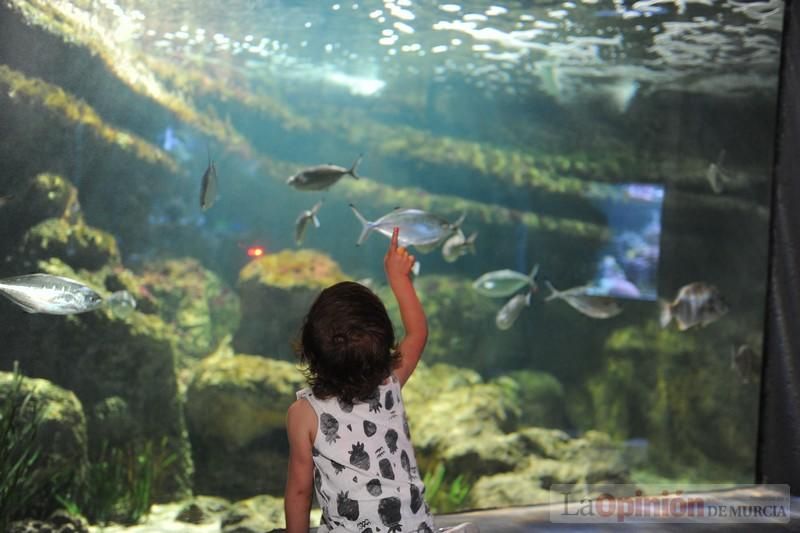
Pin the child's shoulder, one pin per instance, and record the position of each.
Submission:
(301, 415)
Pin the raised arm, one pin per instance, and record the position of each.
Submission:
(398, 264)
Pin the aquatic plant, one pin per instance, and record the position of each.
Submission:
(19, 420)
(443, 495)
(121, 482)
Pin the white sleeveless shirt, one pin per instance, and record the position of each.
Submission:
(365, 473)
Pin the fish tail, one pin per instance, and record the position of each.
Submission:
(532, 276)
(665, 317)
(470, 244)
(457, 223)
(553, 292)
(366, 225)
(353, 168)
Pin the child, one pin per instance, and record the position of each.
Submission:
(348, 434)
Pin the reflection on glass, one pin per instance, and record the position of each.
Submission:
(604, 165)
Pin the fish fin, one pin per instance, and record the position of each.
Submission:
(315, 220)
(457, 224)
(532, 276)
(426, 248)
(528, 298)
(353, 168)
(665, 315)
(553, 292)
(366, 225)
(25, 307)
(415, 268)
(469, 244)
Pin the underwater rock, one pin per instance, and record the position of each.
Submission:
(663, 386)
(276, 291)
(37, 199)
(236, 412)
(254, 515)
(236, 399)
(540, 396)
(60, 435)
(111, 421)
(202, 309)
(59, 522)
(78, 245)
(203, 510)
(477, 430)
(461, 324)
(591, 461)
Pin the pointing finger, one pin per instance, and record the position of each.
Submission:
(395, 233)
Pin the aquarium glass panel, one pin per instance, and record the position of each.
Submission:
(584, 186)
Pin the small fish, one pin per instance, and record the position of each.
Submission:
(509, 313)
(696, 303)
(52, 295)
(715, 175)
(121, 303)
(458, 245)
(418, 228)
(745, 362)
(321, 177)
(301, 224)
(208, 189)
(502, 283)
(589, 305)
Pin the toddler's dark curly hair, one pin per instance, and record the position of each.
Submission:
(347, 343)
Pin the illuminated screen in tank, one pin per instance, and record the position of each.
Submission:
(627, 267)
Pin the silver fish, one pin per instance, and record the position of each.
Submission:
(458, 245)
(745, 362)
(590, 305)
(321, 177)
(418, 228)
(301, 224)
(696, 303)
(716, 176)
(121, 303)
(208, 189)
(509, 313)
(502, 283)
(53, 295)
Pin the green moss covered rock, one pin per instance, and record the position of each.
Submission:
(276, 291)
(60, 438)
(680, 392)
(236, 408)
(78, 245)
(200, 307)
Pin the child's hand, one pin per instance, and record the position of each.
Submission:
(398, 262)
